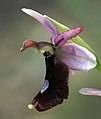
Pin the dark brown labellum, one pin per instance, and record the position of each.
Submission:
(57, 75)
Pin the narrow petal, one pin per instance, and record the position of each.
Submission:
(77, 57)
(43, 20)
(90, 91)
(63, 37)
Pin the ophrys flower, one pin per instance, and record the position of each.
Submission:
(60, 57)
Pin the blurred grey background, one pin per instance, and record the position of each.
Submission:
(22, 74)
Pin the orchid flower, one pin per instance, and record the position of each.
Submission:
(62, 54)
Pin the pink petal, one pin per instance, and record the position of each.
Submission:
(63, 37)
(90, 91)
(44, 21)
(77, 57)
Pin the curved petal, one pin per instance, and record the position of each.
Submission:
(90, 91)
(63, 37)
(77, 57)
(43, 20)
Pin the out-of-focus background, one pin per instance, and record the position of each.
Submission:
(22, 74)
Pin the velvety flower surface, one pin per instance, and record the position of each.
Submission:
(76, 57)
